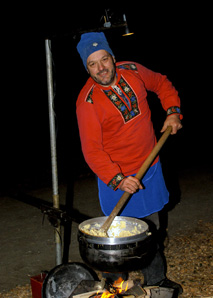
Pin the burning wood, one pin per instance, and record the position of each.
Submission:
(124, 289)
(120, 286)
(106, 290)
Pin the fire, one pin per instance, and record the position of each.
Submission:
(107, 295)
(119, 286)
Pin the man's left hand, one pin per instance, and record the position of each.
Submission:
(174, 122)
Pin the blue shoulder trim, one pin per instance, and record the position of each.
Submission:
(128, 66)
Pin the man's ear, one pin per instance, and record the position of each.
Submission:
(114, 60)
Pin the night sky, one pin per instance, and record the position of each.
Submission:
(170, 39)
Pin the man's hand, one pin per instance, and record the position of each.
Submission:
(130, 184)
(174, 122)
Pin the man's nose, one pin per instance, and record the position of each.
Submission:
(100, 66)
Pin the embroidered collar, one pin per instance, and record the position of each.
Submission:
(127, 103)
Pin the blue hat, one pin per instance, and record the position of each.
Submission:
(90, 43)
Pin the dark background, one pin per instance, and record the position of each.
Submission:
(173, 39)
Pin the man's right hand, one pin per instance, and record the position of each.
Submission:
(130, 184)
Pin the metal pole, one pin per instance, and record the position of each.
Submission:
(53, 148)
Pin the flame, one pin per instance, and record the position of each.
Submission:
(118, 281)
(107, 294)
(117, 288)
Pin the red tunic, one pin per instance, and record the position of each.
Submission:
(115, 126)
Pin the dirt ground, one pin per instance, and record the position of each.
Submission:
(27, 237)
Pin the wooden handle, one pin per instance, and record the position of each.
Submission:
(139, 175)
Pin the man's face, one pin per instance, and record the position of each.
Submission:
(101, 67)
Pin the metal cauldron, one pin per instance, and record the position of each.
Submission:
(117, 254)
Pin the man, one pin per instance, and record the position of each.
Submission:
(117, 134)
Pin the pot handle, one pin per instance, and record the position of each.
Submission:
(133, 257)
(81, 239)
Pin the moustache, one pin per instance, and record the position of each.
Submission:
(102, 71)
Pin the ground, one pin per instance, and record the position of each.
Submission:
(27, 237)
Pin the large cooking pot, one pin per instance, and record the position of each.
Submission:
(117, 254)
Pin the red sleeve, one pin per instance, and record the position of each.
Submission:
(91, 142)
(159, 84)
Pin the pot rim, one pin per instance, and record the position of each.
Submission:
(114, 240)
